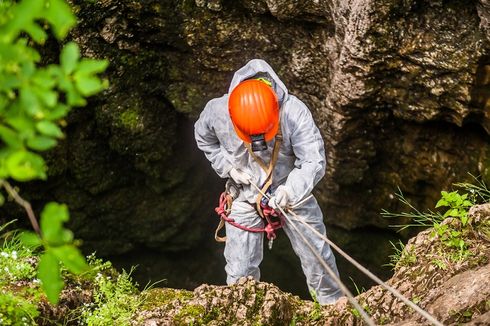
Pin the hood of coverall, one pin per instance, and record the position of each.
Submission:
(253, 67)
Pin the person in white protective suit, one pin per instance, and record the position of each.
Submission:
(238, 130)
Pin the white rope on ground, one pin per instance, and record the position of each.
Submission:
(395, 292)
(341, 285)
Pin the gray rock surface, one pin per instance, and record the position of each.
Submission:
(400, 90)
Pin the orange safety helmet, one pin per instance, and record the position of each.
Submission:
(254, 111)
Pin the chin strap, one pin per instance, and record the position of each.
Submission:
(268, 169)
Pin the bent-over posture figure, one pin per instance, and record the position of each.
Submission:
(237, 133)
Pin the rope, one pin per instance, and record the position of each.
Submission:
(395, 292)
(341, 285)
(343, 288)
(269, 229)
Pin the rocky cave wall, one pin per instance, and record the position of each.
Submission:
(399, 88)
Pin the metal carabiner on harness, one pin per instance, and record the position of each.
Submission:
(271, 242)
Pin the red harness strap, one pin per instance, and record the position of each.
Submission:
(269, 215)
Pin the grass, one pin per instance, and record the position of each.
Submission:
(401, 256)
(113, 298)
(452, 233)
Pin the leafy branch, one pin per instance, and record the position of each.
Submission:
(34, 100)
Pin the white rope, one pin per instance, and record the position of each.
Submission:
(395, 292)
(341, 285)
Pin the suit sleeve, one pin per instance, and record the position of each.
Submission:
(208, 142)
(308, 148)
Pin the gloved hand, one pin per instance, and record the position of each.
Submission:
(240, 177)
(280, 198)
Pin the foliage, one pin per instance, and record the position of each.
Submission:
(450, 232)
(479, 192)
(417, 218)
(401, 256)
(115, 301)
(16, 310)
(114, 297)
(58, 244)
(14, 260)
(34, 100)
(458, 205)
(16, 264)
(316, 312)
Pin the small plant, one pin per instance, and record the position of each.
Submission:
(417, 218)
(115, 300)
(15, 310)
(458, 205)
(401, 256)
(14, 259)
(316, 313)
(479, 192)
(358, 290)
(439, 263)
(451, 233)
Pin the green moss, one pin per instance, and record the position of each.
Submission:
(185, 97)
(130, 119)
(158, 297)
(191, 313)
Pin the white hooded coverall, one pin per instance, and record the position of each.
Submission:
(299, 167)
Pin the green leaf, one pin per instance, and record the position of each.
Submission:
(2, 199)
(91, 66)
(25, 166)
(22, 15)
(441, 202)
(21, 124)
(59, 14)
(41, 143)
(71, 257)
(467, 203)
(69, 57)
(10, 137)
(464, 219)
(52, 218)
(73, 97)
(455, 233)
(49, 128)
(48, 272)
(30, 239)
(29, 102)
(58, 112)
(88, 85)
(47, 96)
(36, 32)
(45, 78)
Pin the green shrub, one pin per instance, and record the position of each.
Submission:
(115, 301)
(34, 100)
(14, 262)
(16, 310)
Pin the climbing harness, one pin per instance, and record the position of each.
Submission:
(273, 219)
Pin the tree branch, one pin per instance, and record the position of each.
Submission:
(22, 202)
